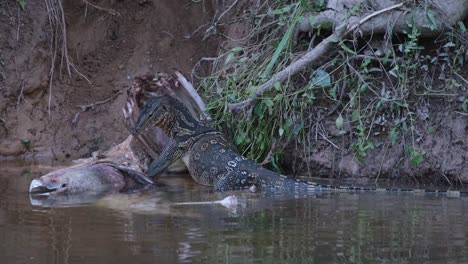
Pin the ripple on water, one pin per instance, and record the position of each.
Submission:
(322, 228)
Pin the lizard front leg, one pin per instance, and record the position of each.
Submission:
(169, 155)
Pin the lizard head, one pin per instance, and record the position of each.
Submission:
(156, 111)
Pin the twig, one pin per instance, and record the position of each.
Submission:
(373, 15)
(87, 107)
(18, 29)
(333, 144)
(461, 77)
(215, 21)
(460, 113)
(193, 73)
(360, 56)
(319, 51)
(226, 11)
(381, 164)
(64, 36)
(446, 178)
(20, 96)
(4, 125)
(53, 50)
(266, 160)
(108, 10)
(168, 33)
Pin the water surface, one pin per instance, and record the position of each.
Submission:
(146, 228)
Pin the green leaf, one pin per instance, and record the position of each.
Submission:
(239, 139)
(352, 99)
(26, 143)
(278, 98)
(326, 25)
(268, 102)
(449, 45)
(393, 135)
(379, 104)
(281, 46)
(415, 156)
(431, 17)
(22, 3)
(355, 116)
(334, 39)
(298, 127)
(277, 86)
(345, 48)
(333, 91)
(369, 145)
(258, 110)
(321, 78)
(281, 131)
(311, 20)
(237, 49)
(230, 57)
(283, 10)
(363, 87)
(462, 26)
(339, 122)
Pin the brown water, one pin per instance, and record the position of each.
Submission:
(146, 228)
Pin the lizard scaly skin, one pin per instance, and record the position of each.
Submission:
(212, 161)
(209, 156)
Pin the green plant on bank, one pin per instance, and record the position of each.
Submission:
(277, 117)
(380, 97)
(362, 145)
(22, 3)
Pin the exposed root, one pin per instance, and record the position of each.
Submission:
(58, 44)
(20, 96)
(112, 12)
(213, 26)
(87, 107)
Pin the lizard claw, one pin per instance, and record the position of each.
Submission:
(128, 109)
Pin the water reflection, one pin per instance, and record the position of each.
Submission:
(324, 228)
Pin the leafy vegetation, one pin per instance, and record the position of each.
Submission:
(374, 91)
(22, 3)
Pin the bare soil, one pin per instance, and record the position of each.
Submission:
(441, 134)
(146, 36)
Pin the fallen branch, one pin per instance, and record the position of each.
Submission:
(310, 57)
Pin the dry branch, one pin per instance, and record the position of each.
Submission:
(310, 57)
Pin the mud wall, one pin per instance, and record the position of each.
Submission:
(108, 48)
